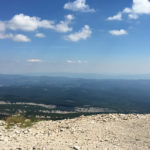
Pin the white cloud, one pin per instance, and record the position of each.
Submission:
(70, 61)
(39, 35)
(20, 38)
(139, 7)
(2, 26)
(133, 16)
(78, 5)
(81, 35)
(6, 36)
(116, 17)
(16, 38)
(27, 23)
(76, 61)
(63, 26)
(118, 32)
(34, 60)
(69, 17)
(127, 10)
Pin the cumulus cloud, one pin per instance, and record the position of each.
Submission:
(78, 5)
(116, 17)
(34, 60)
(69, 17)
(27, 23)
(39, 35)
(63, 26)
(76, 61)
(81, 35)
(2, 26)
(6, 36)
(127, 10)
(20, 38)
(139, 7)
(118, 32)
(16, 38)
(133, 16)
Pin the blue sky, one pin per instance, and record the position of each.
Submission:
(84, 36)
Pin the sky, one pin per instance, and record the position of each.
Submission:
(77, 36)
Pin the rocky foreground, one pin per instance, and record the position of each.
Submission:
(99, 132)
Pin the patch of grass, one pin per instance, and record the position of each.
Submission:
(20, 121)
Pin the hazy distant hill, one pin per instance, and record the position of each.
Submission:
(121, 95)
(94, 75)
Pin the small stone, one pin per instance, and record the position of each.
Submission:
(17, 132)
(61, 129)
(25, 132)
(76, 148)
(1, 139)
(33, 148)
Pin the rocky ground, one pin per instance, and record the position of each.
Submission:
(99, 132)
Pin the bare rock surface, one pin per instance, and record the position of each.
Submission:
(98, 132)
